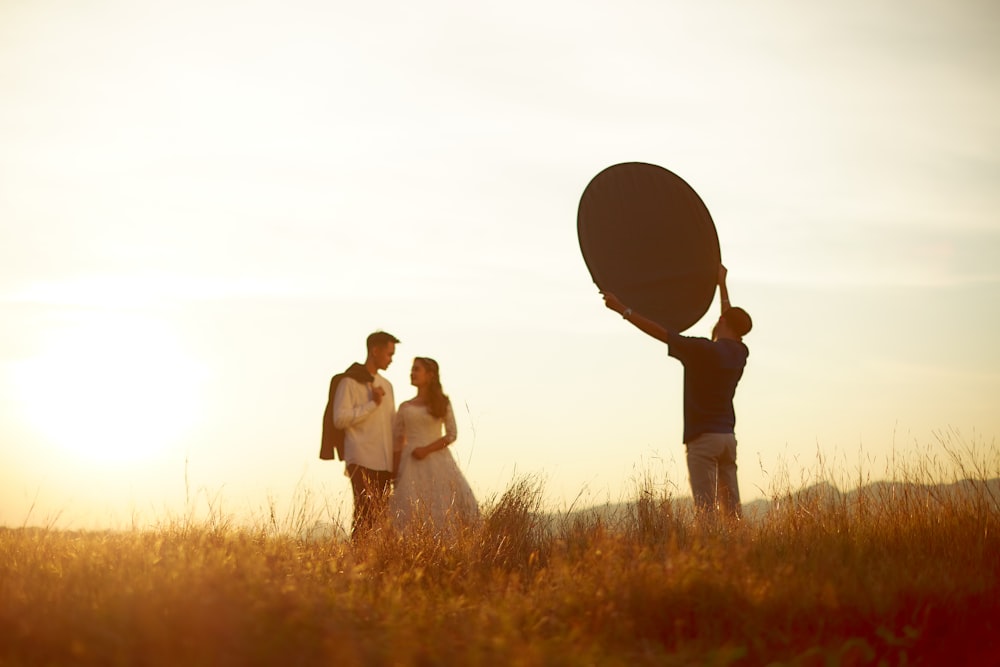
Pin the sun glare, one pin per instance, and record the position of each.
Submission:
(110, 389)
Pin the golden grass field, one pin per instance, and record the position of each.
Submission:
(901, 573)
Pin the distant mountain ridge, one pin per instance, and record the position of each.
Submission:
(987, 491)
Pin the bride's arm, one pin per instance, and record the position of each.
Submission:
(398, 440)
(450, 428)
(450, 435)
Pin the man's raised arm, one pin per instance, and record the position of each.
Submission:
(644, 324)
(723, 290)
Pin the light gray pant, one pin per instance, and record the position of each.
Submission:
(711, 459)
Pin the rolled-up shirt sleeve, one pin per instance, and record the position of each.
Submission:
(450, 428)
(351, 404)
(687, 348)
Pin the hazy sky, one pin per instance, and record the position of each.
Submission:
(206, 206)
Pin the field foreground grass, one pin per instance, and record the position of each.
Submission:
(899, 575)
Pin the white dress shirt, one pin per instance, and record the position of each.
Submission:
(367, 426)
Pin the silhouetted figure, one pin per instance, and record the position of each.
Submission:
(365, 411)
(712, 369)
(431, 491)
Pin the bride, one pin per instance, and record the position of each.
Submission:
(430, 489)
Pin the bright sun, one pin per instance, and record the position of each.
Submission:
(109, 388)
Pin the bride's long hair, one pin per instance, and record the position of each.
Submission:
(437, 400)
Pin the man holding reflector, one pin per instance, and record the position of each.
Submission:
(652, 249)
(712, 369)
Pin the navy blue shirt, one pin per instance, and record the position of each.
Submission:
(712, 369)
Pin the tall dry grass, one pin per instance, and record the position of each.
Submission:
(900, 572)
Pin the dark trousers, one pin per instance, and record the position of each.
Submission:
(371, 494)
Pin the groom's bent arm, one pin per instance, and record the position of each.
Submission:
(351, 404)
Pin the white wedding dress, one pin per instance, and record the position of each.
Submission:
(431, 492)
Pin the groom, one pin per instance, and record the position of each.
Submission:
(365, 411)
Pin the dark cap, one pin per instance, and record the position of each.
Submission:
(738, 320)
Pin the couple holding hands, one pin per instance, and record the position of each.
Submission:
(398, 459)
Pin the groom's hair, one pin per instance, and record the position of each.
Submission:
(380, 339)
